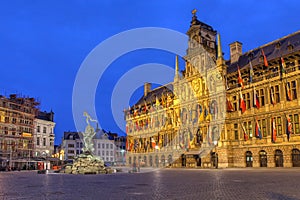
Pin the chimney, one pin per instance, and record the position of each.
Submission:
(235, 51)
(147, 88)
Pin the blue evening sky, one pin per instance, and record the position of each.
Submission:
(43, 43)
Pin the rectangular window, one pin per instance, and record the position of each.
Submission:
(250, 130)
(111, 153)
(102, 145)
(98, 145)
(77, 152)
(44, 141)
(247, 100)
(111, 146)
(277, 95)
(234, 103)
(295, 123)
(102, 153)
(107, 153)
(107, 146)
(37, 141)
(70, 145)
(294, 89)
(71, 151)
(261, 96)
(279, 126)
(264, 128)
(44, 129)
(236, 133)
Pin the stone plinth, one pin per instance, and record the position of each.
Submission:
(86, 163)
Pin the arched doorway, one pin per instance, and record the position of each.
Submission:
(150, 161)
(278, 158)
(214, 159)
(249, 159)
(145, 160)
(183, 160)
(156, 161)
(296, 157)
(170, 160)
(263, 158)
(198, 160)
(163, 160)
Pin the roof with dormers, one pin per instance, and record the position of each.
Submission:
(273, 50)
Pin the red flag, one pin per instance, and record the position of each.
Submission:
(265, 58)
(245, 132)
(289, 127)
(273, 130)
(256, 100)
(229, 105)
(242, 103)
(288, 92)
(257, 130)
(272, 97)
(240, 79)
(153, 143)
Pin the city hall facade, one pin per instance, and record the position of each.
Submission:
(241, 112)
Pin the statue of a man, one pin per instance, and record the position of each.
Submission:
(88, 134)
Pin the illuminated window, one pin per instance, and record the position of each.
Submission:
(279, 126)
(294, 89)
(261, 96)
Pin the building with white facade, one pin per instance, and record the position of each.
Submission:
(43, 137)
(108, 146)
(71, 145)
(105, 147)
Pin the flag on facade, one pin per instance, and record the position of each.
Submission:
(289, 127)
(274, 133)
(245, 132)
(283, 67)
(257, 130)
(272, 96)
(240, 79)
(255, 99)
(153, 143)
(288, 92)
(242, 103)
(251, 72)
(229, 105)
(265, 58)
(127, 145)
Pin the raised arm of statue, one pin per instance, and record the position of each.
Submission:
(88, 118)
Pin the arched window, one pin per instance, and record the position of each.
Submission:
(150, 161)
(278, 158)
(249, 159)
(296, 157)
(163, 160)
(170, 160)
(263, 158)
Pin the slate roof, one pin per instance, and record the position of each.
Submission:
(272, 50)
(157, 92)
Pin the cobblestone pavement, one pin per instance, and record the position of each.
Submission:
(160, 184)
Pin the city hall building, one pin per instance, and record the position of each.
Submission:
(241, 112)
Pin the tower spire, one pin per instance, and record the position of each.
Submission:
(220, 53)
(176, 66)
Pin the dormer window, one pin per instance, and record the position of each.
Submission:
(251, 55)
(278, 45)
(290, 47)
